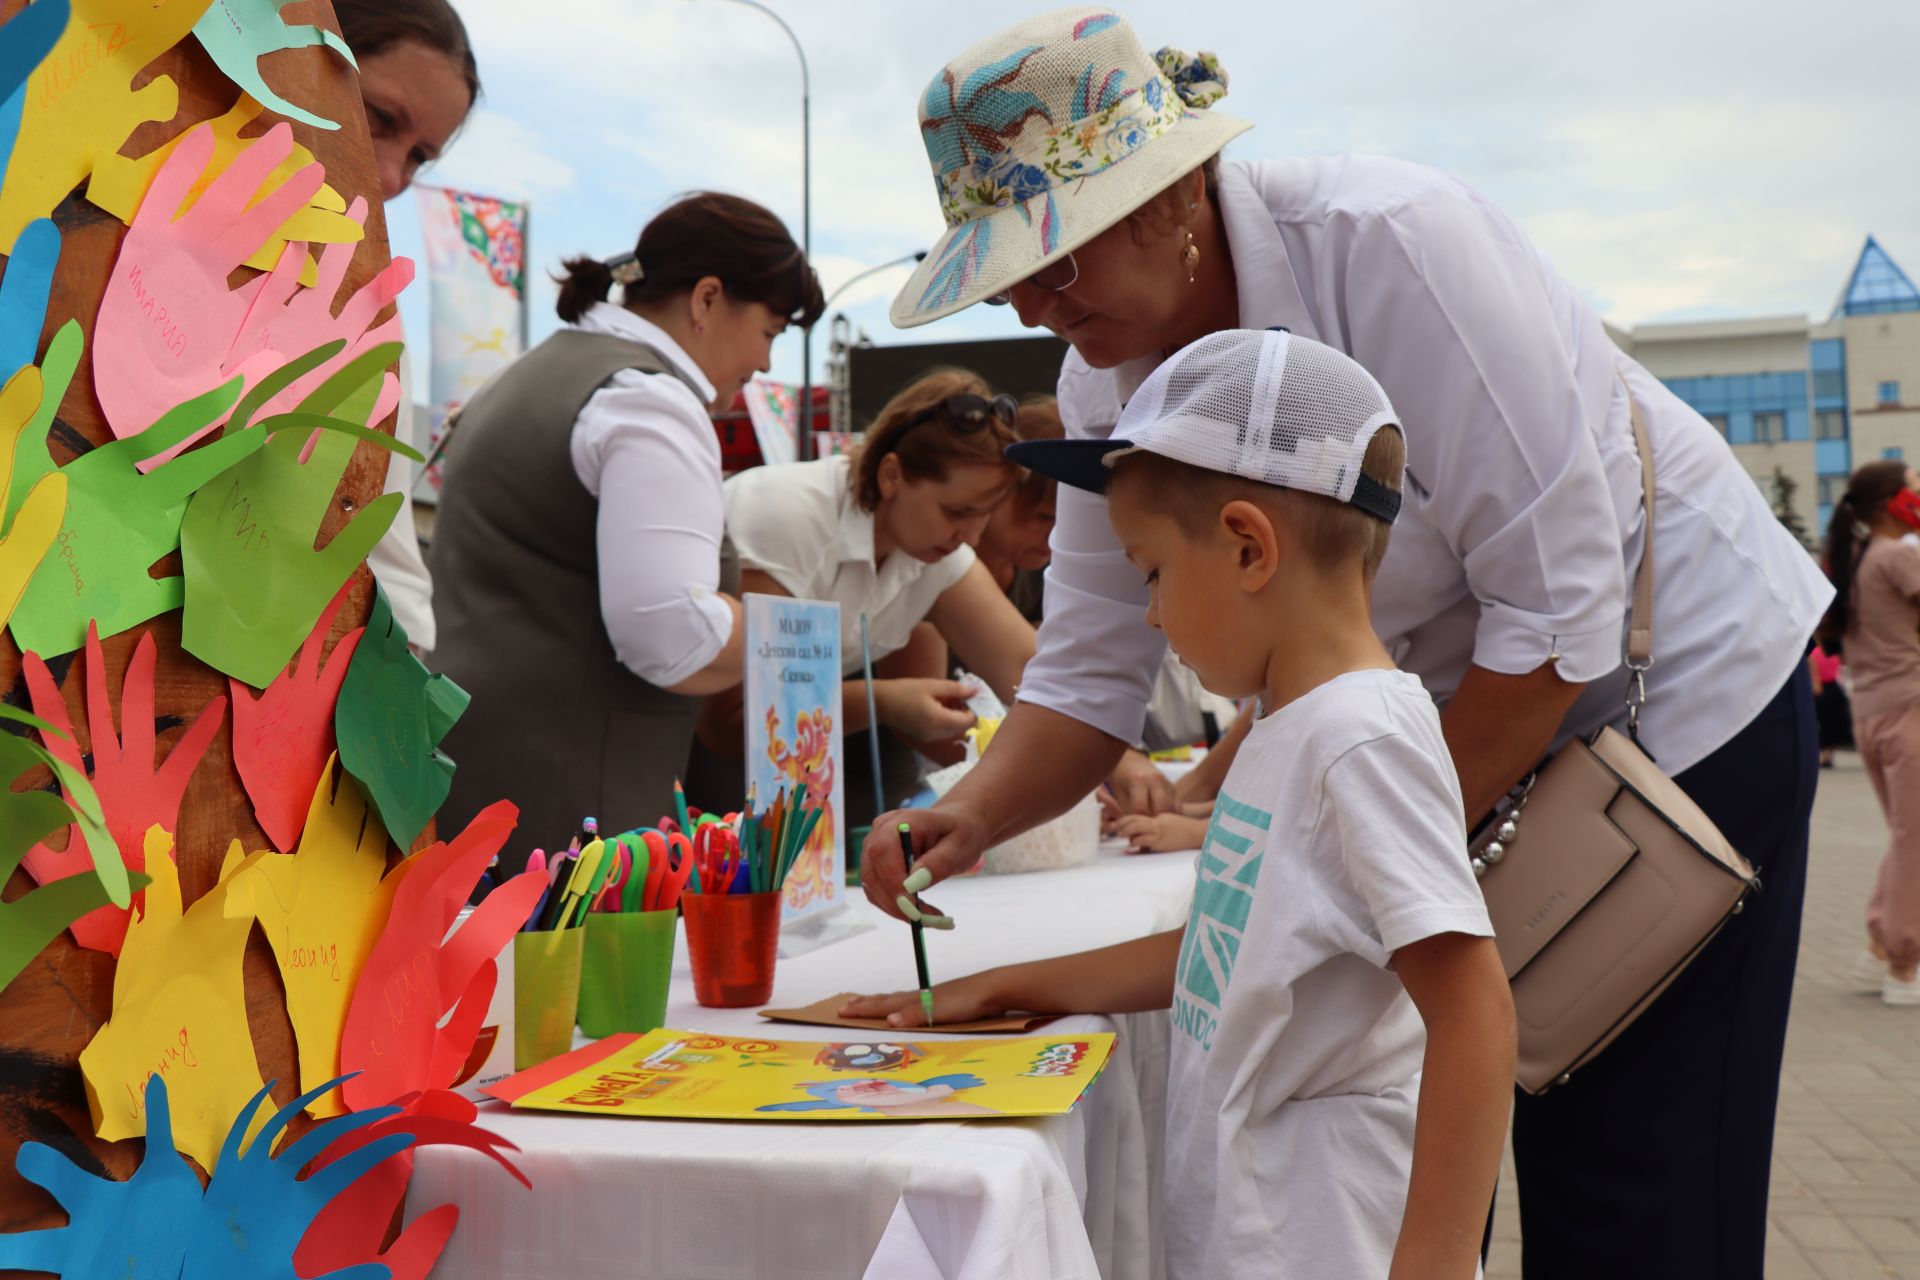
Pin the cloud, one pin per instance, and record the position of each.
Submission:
(504, 156)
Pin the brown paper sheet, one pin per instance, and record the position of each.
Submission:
(824, 1013)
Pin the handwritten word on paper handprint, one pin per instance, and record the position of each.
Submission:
(80, 103)
(120, 184)
(424, 991)
(321, 909)
(283, 738)
(134, 796)
(393, 714)
(160, 1225)
(180, 1011)
(238, 33)
(255, 584)
(32, 529)
(25, 40)
(167, 319)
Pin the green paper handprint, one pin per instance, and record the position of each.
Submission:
(238, 33)
(254, 583)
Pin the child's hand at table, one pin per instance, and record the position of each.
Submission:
(1161, 833)
(962, 1000)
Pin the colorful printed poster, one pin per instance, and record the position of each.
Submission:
(793, 734)
(688, 1075)
(476, 276)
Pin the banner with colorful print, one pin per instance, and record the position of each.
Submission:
(476, 275)
(794, 734)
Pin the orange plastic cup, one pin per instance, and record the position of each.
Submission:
(732, 941)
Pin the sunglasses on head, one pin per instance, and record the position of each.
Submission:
(1055, 276)
(968, 412)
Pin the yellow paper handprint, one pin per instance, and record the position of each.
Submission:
(322, 908)
(120, 184)
(179, 1010)
(37, 523)
(80, 103)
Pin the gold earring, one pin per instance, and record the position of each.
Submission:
(1191, 256)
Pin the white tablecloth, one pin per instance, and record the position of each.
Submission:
(1047, 1199)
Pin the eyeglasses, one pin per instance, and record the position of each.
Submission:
(968, 412)
(1059, 274)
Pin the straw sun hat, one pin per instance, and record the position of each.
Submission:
(1045, 135)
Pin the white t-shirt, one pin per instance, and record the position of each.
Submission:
(1336, 840)
(798, 524)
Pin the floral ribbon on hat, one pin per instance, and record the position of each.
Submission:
(1199, 78)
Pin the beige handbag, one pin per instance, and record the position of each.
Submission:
(1602, 877)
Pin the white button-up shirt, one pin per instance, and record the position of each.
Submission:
(1523, 517)
(798, 523)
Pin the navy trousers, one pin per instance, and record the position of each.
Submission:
(1652, 1161)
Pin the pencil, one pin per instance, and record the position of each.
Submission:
(680, 808)
(919, 932)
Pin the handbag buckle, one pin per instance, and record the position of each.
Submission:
(1636, 696)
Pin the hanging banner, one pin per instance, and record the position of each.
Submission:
(476, 276)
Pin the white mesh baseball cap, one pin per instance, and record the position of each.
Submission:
(1263, 405)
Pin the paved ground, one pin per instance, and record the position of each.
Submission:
(1846, 1159)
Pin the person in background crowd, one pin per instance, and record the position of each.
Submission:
(1109, 219)
(582, 597)
(1830, 703)
(1876, 617)
(418, 82)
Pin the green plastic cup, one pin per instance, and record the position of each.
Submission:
(546, 994)
(624, 975)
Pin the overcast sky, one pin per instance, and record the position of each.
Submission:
(1678, 159)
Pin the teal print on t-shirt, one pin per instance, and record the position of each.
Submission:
(1222, 898)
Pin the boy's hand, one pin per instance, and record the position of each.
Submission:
(946, 841)
(963, 1000)
(1160, 833)
(1138, 786)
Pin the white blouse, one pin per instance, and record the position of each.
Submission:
(1523, 515)
(645, 446)
(798, 524)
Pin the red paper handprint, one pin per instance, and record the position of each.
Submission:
(134, 795)
(423, 994)
(283, 740)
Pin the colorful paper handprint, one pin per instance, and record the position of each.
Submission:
(393, 715)
(80, 103)
(321, 909)
(283, 737)
(135, 797)
(120, 184)
(238, 33)
(32, 528)
(25, 40)
(255, 584)
(19, 810)
(167, 319)
(24, 291)
(179, 1011)
(425, 988)
(159, 1224)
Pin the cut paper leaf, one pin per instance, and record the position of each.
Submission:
(119, 185)
(31, 922)
(255, 585)
(393, 714)
(238, 33)
(425, 989)
(80, 103)
(350, 1229)
(283, 739)
(167, 319)
(32, 529)
(160, 1225)
(321, 909)
(24, 291)
(25, 41)
(135, 797)
(179, 1011)
(118, 522)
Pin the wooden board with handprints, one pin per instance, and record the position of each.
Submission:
(52, 1009)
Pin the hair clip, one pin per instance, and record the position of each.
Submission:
(626, 269)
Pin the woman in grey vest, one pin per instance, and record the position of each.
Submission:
(577, 555)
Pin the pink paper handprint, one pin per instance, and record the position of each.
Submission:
(134, 795)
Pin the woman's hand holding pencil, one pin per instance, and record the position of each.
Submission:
(947, 841)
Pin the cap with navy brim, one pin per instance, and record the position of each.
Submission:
(1082, 464)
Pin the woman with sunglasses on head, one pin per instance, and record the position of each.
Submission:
(1081, 183)
(890, 532)
(577, 555)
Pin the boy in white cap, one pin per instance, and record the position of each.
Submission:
(1315, 1127)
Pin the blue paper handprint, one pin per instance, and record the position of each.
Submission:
(24, 291)
(24, 42)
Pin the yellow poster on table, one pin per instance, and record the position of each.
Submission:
(689, 1075)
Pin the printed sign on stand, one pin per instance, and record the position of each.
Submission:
(794, 734)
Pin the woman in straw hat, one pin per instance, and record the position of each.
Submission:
(1081, 184)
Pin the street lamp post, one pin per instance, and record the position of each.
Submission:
(839, 393)
(917, 256)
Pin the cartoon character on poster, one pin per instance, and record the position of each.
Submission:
(794, 734)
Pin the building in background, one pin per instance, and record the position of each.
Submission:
(1804, 401)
